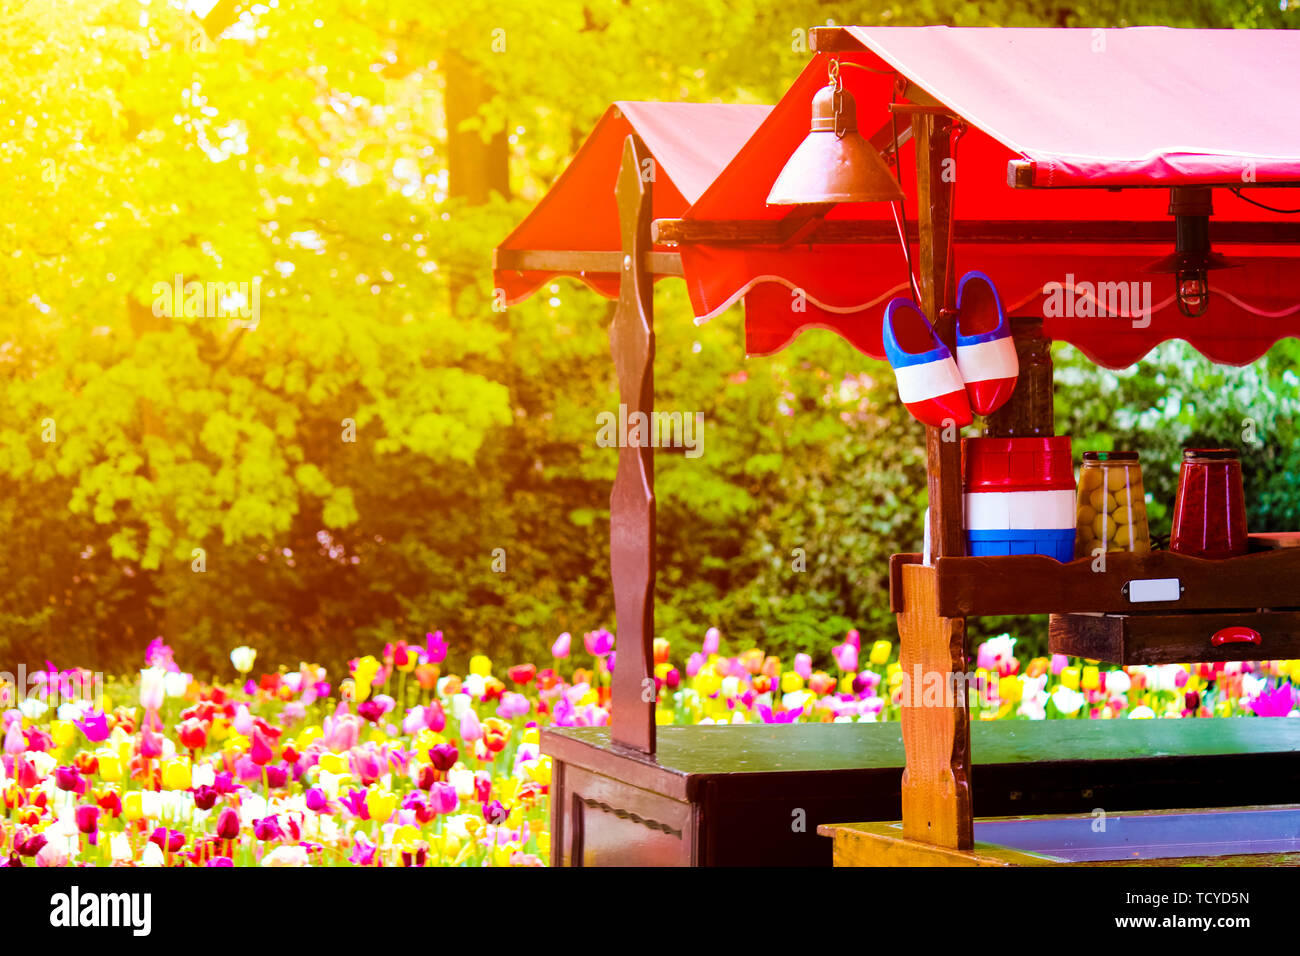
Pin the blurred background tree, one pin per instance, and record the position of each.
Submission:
(343, 472)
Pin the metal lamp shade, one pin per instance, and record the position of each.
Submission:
(830, 168)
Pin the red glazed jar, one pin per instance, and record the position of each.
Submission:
(1210, 513)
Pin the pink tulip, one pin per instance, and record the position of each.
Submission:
(470, 729)
(1059, 663)
(694, 663)
(803, 665)
(846, 656)
(15, 742)
(853, 638)
(442, 797)
(712, 637)
(434, 718)
(562, 644)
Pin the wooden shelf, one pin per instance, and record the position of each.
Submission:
(1033, 584)
(1174, 638)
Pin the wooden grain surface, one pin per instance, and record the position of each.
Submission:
(936, 790)
(632, 500)
(1033, 584)
(1173, 638)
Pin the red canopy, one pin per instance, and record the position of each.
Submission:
(689, 142)
(1151, 107)
(1155, 105)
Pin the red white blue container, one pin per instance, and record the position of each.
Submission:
(1019, 496)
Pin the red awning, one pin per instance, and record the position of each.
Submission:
(1150, 106)
(690, 144)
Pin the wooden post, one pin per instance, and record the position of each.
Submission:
(632, 500)
(936, 732)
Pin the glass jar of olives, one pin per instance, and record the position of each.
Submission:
(1112, 508)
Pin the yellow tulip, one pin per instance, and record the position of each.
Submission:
(308, 735)
(381, 805)
(334, 763)
(406, 837)
(540, 771)
(663, 718)
(880, 652)
(132, 807)
(221, 728)
(377, 736)
(531, 736)
(791, 682)
(661, 671)
(893, 669)
(515, 819)
(1010, 689)
(501, 854)
(176, 774)
(1091, 679)
(1070, 677)
(478, 664)
(363, 676)
(544, 843)
(110, 766)
(846, 682)
(64, 733)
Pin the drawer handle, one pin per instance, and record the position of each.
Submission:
(1235, 635)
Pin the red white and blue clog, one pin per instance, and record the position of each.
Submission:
(986, 353)
(928, 380)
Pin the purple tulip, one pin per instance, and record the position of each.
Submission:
(276, 775)
(228, 824)
(599, 642)
(436, 647)
(268, 828)
(95, 727)
(67, 778)
(220, 861)
(205, 797)
(444, 756)
(316, 800)
(562, 644)
(494, 812)
(1274, 703)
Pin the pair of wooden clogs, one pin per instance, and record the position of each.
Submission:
(936, 388)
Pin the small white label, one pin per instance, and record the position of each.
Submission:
(1154, 589)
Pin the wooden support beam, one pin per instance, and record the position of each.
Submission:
(848, 232)
(932, 649)
(632, 499)
(656, 264)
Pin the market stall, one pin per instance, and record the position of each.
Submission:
(1094, 180)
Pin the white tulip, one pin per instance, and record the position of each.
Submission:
(243, 657)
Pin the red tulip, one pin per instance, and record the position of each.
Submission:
(193, 734)
(522, 673)
(228, 824)
(261, 751)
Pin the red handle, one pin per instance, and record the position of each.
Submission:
(1235, 635)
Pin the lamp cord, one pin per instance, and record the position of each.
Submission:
(1236, 191)
(899, 209)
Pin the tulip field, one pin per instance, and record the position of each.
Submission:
(402, 763)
